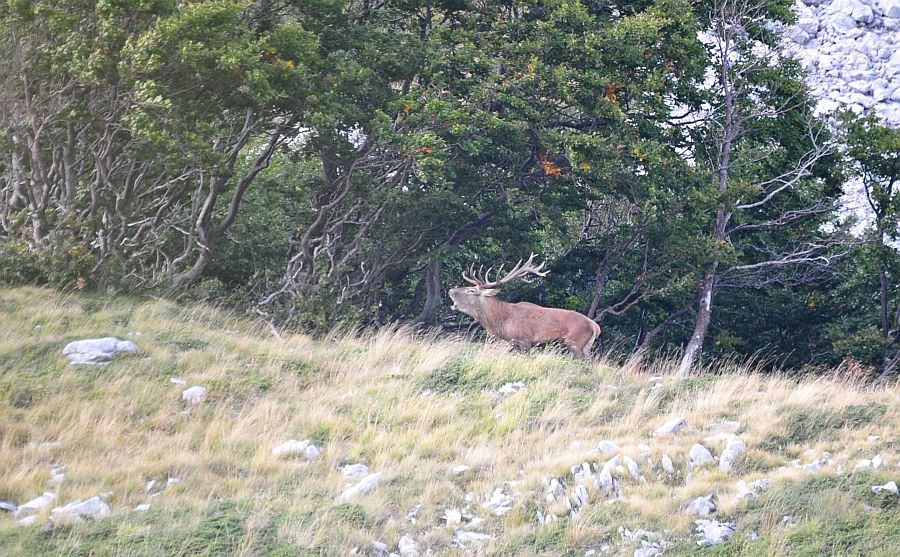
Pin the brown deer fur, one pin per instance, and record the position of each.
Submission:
(525, 324)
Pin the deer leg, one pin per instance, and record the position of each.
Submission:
(573, 348)
(521, 346)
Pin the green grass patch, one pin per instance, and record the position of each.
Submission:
(811, 424)
(460, 375)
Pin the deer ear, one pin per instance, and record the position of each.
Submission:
(490, 292)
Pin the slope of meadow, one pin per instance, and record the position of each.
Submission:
(413, 409)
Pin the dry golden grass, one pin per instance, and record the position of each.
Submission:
(410, 407)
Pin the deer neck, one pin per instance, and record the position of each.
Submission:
(493, 313)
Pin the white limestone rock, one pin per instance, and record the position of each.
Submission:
(750, 489)
(510, 388)
(452, 517)
(700, 455)
(365, 486)
(408, 546)
(712, 532)
(702, 506)
(607, 447)
(667, 464)
(499, 503)
(891, 8)
(94, 507)
(194, 395)
(35, 505)
(354, 471)
(97, 350)
(464, 537)
(734, 449)
(632, 468)
(891, 486)
(670, 427)
(292, 448)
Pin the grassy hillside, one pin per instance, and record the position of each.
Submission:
(412, 409)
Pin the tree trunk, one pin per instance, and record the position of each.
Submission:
(701, 326)
(601, 279)
(428, 314)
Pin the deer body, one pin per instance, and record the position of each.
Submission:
(524, 324)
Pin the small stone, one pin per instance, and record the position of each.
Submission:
(632, 467)
(292, 447)
(413, 515)
(380, 548)
(607, 447)
(93, 507)
(670, 427)
(733, 450)
(452, 516)
(142, 507)
(890, 486)
(35, 505)
(712, 532)
(407, 546)
(667, 464)
(644, 448)
(354, 471)
(510, 388)
(177, 380)
(7, 506)
(462, 468)
(702, 506)
(750, 489)
(172, 481)
(648, 549)
(499, 503)
(194, 395)
(700, 455)
(365, 486)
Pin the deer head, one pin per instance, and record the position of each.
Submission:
(470, 300)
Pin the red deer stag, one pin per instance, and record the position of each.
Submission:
(522, 324)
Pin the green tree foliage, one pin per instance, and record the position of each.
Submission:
(335, 161)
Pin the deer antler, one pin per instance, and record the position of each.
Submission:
(520, 271)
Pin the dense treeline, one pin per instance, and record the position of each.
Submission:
(333, 160)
